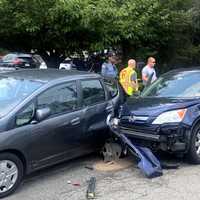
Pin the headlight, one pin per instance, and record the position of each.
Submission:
(170, 117)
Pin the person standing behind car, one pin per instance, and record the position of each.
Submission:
(109, 69)
(128, 78)
(148, 72)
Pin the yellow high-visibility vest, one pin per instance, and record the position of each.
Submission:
(125, 80)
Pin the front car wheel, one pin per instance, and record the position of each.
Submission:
(194, 149)
(11, 173)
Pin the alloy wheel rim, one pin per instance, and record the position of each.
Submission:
(8, 175)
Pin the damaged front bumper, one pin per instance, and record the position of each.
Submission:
(171, 137)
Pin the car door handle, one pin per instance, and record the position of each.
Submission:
(75, 121)
(109, 108)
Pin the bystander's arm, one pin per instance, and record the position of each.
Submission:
(134, 81)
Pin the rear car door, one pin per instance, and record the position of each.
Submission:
(59, 136)
(96, 108)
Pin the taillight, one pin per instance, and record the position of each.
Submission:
(17, 61)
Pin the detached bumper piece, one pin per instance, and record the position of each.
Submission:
(148, 163)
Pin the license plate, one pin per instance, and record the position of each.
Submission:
(27, 65)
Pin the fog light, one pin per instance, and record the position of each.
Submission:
(115, 121)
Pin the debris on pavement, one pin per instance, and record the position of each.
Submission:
(73, 183)
(89, 167)
(148, 163)
(76, 184)
(91, 188)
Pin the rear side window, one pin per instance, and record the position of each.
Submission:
(38, 58)
(26, 59)
(59, 99)
(93, 92)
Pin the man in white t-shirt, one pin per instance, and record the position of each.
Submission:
(148, 71)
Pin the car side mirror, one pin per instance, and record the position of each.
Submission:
(42, 114)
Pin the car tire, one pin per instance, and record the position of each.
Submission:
(11, 173)
(193, 154)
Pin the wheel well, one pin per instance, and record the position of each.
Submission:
(196, 123)
(194, 126)
(19, 155)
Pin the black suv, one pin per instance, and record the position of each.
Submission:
(48, 116)
(13, 61)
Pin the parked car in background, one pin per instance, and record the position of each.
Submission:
(48, 116)
(13, 61)
(166, 116)
(75, 63)
(67, 64)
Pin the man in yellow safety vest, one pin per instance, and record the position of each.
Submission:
(128, 78)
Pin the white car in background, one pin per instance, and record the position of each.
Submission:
(67, 64)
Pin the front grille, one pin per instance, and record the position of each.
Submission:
(140, 134)
(145, 127)
(128, 119)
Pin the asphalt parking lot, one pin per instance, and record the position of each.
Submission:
(125, 184)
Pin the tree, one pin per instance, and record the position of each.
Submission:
(167, 29)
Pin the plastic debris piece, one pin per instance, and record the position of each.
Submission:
(76, 184)
(89, 167)
(91, 188)
(148, 163)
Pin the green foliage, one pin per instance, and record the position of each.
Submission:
(167, 29)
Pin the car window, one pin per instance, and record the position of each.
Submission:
(26, 115)
(13, 91)
(9, 57)
(26, 59)
(180, 85)
(38, 58)
(93, 92)
(59, 99)
(111, 85)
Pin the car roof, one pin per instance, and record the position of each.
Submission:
(47, 75)
(20, 54)
(182, 70)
